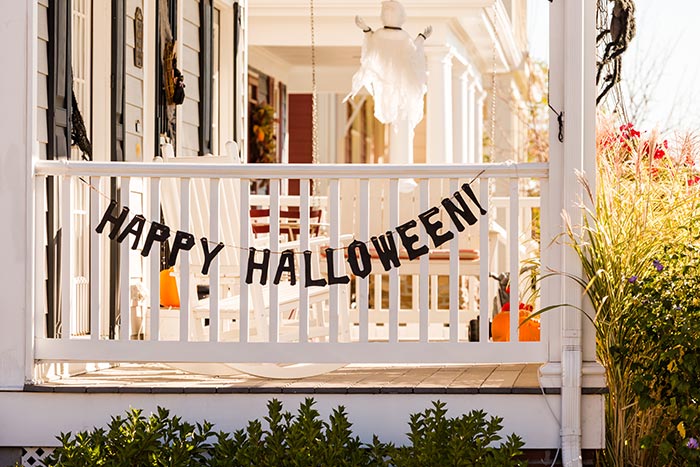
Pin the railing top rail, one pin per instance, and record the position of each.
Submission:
(302, 171)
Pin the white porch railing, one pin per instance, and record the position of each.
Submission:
(360, 325)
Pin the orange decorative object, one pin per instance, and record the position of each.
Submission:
(528, 331)
(169, 297)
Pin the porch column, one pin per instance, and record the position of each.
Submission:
(470, 116)
(478, 127)
(439, 105)
(460, 113)
(401, 143)
(18, 129)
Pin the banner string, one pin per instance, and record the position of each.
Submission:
(343, 248)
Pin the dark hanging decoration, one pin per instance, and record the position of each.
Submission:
(433, 227)
(157, 233)
(78, 133)
(616, 29)
(135, 227)
(363, 270)
(116, 222)
(183, 241)
(309, 281)
(387, 251)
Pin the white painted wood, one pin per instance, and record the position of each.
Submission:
(307, 352)
(454, 276)
(304, 206)
(68, 296)
(184, 256)
(514, 260)
(96, 210)
(394, 296)
(154, 265)
(274, 258)
(214, 285)
(245, 244)
(439, 105)
(382, 414)
(124, 270)
(334, 219)
(312, 171)
(363, 284)
(40, 267)
(484, 261)
(424, 186)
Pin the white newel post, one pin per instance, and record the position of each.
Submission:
(16, 192)
(572, 90)
(439, 105)
(460, 113)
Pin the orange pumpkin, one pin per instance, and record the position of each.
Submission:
(528, 332)
(169, 297)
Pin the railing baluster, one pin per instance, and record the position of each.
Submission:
(546, 289)
(40, 265)
(484, 260)
(244, 332)
(334, 299)
(425, 278)
(363, 284)
(214, 287)
(274, 258)
(184, 262)
(454, 275)
(394, 297)
(154, 263)
(96, 210)
(68, 290)
(124, 295)
(304, 229)
(514, 259)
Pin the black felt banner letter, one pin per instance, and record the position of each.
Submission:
(209, 255)
(286, 265)
(409, 240)
(183, 241)
(308, 280)
(158, 232)
(115, 221)
(366, 268)
(330, 262)
(433, 228)
(387, 251)
(455, 212)
(134, 227)
(252, 266)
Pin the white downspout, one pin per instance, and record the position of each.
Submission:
(579, 109)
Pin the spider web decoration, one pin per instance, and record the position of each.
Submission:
(616, 25)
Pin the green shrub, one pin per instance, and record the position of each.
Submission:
(468, 440)
(285, 439)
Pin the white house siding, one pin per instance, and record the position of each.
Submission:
(42, 76)
(133, 120)
(188, 63)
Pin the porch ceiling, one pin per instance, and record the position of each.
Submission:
(325, 56)
(472, 27)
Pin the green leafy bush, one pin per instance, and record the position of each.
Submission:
(285, 439)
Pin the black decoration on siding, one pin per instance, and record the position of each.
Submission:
(206, 50)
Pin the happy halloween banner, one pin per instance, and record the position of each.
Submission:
(358, 254)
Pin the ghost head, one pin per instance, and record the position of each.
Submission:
(393, 14)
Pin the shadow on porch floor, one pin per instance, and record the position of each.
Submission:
(352, 379)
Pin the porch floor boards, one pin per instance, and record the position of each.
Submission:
(351, 379)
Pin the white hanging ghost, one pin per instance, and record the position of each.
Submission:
(393, 68)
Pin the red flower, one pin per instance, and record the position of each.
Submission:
(659, 153)
(694, 180)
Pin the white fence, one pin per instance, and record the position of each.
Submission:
(419, 312)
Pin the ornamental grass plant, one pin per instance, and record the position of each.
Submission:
(641, 261)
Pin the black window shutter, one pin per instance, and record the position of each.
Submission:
(206, 37)
(59, 81)
(117, 81)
